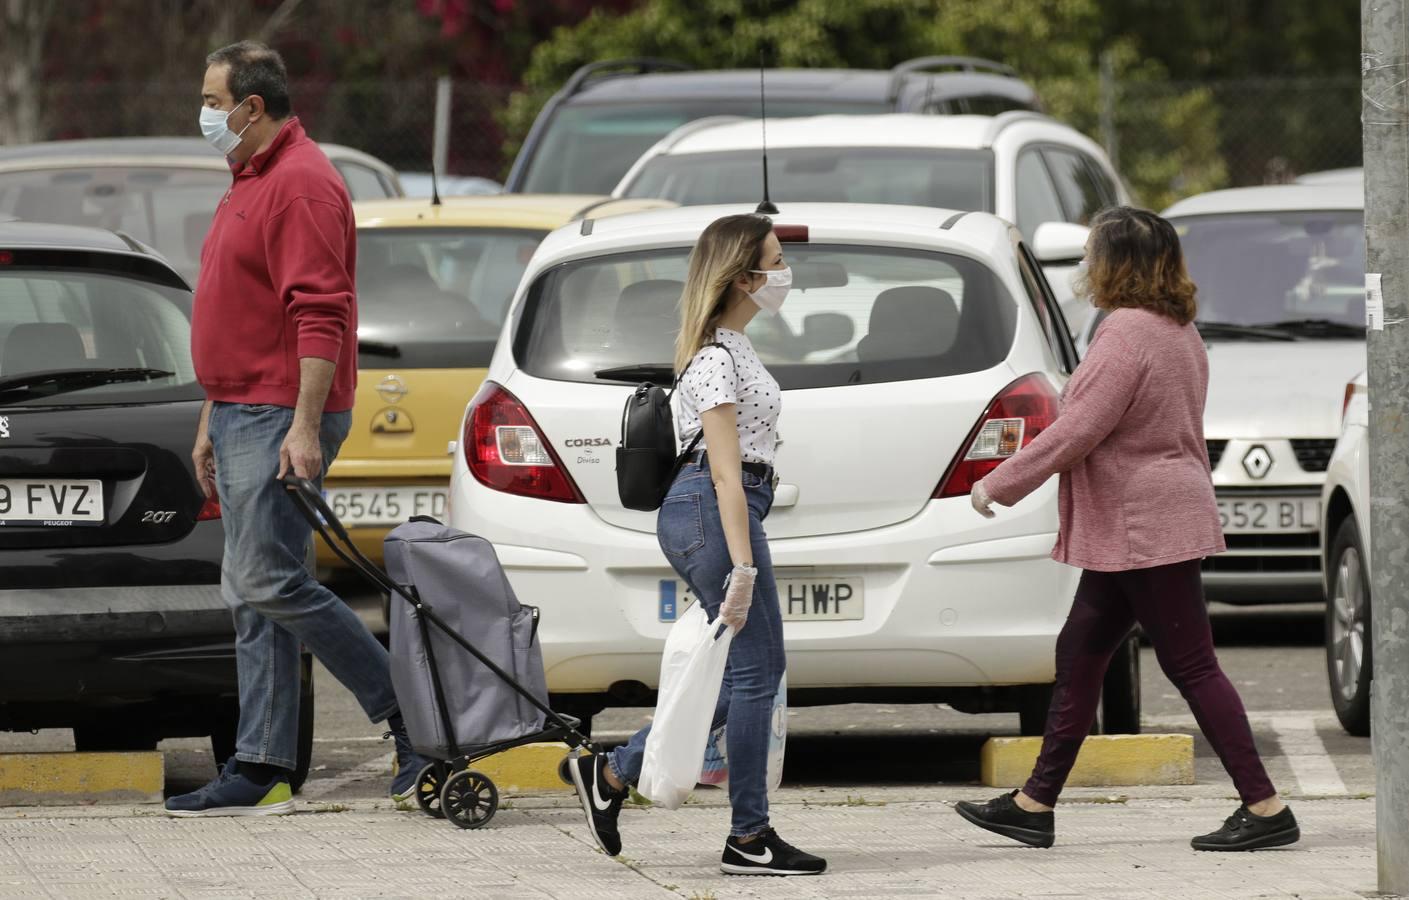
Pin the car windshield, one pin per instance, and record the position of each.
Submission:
(589, 147)
(1302, 272)
(436, 297)
(167, 208)
(52, 321)
(856, 315)
(953, 179)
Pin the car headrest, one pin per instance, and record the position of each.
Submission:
(910, 322)
(42, 346)
(646, 314)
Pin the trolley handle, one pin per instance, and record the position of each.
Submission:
(315, 509)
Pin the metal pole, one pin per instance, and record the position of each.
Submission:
(1108, 96)
(1385, 117)
(440, 144)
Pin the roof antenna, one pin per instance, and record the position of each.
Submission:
(766, 207)
(440, 140)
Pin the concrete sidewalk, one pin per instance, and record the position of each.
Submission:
(896, 842)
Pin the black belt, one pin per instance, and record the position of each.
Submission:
(762, 470)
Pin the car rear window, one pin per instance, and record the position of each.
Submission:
(856, 315)
(952, 179)
(52, 320)
(167, 208)
(436, 297)
(589, 147)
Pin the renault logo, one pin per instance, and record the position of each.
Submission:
(392, 389)
(1257, 462)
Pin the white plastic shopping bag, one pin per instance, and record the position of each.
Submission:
(716, 761)
(691, 673)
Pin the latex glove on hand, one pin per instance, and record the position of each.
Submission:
(738, 596)
(982, 501)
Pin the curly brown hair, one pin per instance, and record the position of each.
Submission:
(1134, 260)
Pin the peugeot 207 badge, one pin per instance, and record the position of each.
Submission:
(392, 389)
(1257, 462)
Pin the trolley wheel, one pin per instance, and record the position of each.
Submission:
(469, 799)
(428, 785)
(565, 771)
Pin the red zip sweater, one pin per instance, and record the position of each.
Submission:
(277, 279)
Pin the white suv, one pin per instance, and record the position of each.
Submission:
(1024, 166)
(1345, 549)
(907, 331)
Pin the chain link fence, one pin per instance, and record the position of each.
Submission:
(1170, 139)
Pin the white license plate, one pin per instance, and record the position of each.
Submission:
(802, 599)
(51, 501)
(366, 506)
(1269, 515)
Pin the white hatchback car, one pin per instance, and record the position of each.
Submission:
(1030, 169)
(909, 330)
(1345, 550)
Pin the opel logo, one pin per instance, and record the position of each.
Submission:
(1257, 462)
(392, 389)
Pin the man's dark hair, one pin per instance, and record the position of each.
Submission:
(256, 69)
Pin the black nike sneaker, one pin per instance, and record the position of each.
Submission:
(1245, 831)
(768, 854)
(1002, 815)
(599, 800)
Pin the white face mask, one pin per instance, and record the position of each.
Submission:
(216, 129)
(770, 297)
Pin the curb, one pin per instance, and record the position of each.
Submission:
(532, 767)
(1104, 760)
(67, 779)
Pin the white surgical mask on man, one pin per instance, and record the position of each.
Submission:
(216, 129)
(770, 297)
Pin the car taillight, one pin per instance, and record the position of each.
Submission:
(210, 509)
(1017, 415)
(506, 451)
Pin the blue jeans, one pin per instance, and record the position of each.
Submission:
(692, 536)
(276, 602)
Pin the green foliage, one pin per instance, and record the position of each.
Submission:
(1169, 141)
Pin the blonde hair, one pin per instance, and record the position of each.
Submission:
(728, 248)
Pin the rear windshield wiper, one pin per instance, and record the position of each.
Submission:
(61, 381)
(1317, 328)
(659, 373)
(1236, 331)
(378, 348)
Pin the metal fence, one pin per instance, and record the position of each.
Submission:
(1170, 139)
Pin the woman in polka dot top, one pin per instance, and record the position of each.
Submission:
(711, 529)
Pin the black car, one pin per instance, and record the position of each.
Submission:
(611, 112)
(111, 617)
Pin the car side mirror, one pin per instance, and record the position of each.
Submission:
(1059, 242)
(824, 331)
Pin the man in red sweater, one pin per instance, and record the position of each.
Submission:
(274, 341)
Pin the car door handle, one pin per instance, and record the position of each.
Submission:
(784, 496)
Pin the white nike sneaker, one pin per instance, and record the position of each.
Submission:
(768, 854)
(599, 801)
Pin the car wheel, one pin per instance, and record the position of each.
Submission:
(306, 715)
(1120, 690)
(1033, 706)
(1349, 667)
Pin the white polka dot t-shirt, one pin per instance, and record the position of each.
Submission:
(714, 378)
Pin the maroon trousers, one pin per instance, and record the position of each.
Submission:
(1168, 602)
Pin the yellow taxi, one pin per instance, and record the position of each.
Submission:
(434, 282)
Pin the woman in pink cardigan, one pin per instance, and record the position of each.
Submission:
(1137, 515)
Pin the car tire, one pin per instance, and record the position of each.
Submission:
(1349, 663)
(1120, 690)
(1033, 705)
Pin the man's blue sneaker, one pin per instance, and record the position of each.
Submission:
(409, 763)
(233, 794)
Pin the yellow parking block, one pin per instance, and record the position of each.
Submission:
(71, 779)
(532, 767)
(1104, 760)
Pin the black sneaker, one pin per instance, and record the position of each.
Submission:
(768, 854)
(599, 800)
(1002, 815)
(1245, 831)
